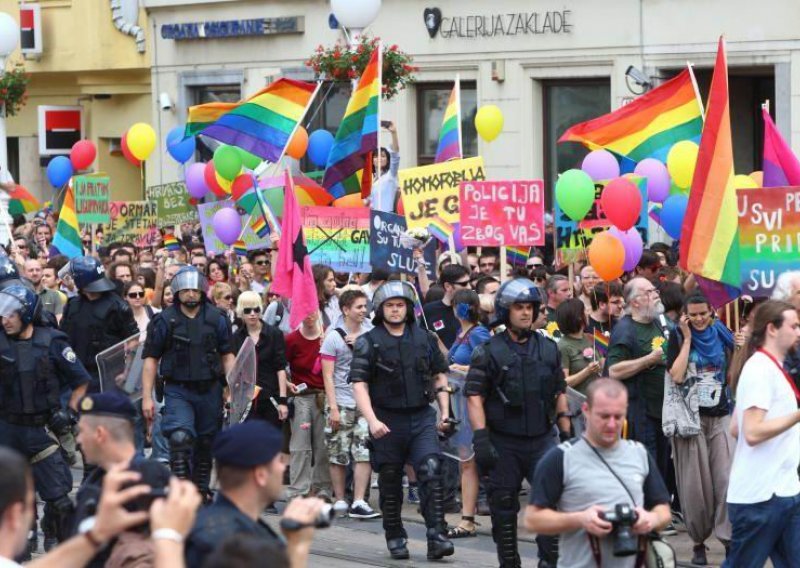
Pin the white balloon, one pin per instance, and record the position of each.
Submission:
(9, 34)
(356, 14)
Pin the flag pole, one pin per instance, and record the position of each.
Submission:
(690, 66)
(458, 115)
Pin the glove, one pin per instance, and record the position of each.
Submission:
(485, 454)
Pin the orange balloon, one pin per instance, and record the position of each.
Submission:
(298, 144)
(758, 177)
(607, 256)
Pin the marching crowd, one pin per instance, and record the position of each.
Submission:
(628, 406)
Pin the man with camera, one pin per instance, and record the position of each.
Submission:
(601, 487)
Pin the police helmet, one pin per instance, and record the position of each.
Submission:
(8, 269)
(391, 290)
(88, 273)
(188, 278)
(19, 299)
(516, 291)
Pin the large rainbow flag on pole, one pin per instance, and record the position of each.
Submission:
(450, 146)
(781, 166)
(68, 235)
(647, 127)
(709, 239)
(262, 124)
(357, 137)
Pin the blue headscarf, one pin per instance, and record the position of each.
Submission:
(710, 344)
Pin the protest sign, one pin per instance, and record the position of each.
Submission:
(211, 241)
(502, 213)
(133, 221)
(572, 238)
(172, 204)
(385, 250)
(432, 191)
(92, 195)
(769, 236)
(338, 237)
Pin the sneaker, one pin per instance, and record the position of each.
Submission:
(669, 530)
(413, 495)
(699, 555)
(405, 481)
(374, 484)
(341, 508)
(362, 510)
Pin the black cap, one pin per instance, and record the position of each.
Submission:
(249, 444)
(113, 404)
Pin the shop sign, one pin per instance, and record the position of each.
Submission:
(234, 28)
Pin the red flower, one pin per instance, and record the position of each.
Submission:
(393, 48)
(351, 74)
(354, 59)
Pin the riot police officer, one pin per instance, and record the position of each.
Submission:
(192, 340)
(36, 362)
(515, 392)
(97, 318)
(9, 273)
(397, 371)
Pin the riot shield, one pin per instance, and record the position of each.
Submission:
(457, 444)
(120, 367)
(242, 383)
(575, 401)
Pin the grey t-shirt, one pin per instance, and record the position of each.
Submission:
(571, 477)
(334, 348)
(270, 317)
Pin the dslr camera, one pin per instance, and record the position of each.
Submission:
(622, 517)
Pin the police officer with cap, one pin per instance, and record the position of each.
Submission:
(515, 393)
(192, 340)
(397, 371)
(36, 363)
(250, 473)
(97, 318)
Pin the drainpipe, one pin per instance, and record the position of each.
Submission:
(126, 27)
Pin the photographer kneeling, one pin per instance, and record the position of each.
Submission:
(600, 485)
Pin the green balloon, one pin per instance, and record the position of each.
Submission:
(575, 193)
(227, 162)
(249, 160)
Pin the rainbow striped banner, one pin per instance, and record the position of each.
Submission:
(781, 167)
(68, 235)
(450, 147)
(517, 255)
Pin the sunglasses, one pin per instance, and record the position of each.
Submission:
(464, 283)
(248, 311)
(535, 265)
(133, 295)
(228, 297)
(261, 262)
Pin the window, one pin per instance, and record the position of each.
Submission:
(567, 103)
(432, 101)
(212, 94)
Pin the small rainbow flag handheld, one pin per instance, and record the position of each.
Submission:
(68, 235)
(440, 229)
(449, 147)
(240, 248)
(260, 226)
(171, 243)
(517, 255)
(21, 201)
(601, 343)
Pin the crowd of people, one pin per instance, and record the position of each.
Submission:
(632, 403)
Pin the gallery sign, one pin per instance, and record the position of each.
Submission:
(497, 25)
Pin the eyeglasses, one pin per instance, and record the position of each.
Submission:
(463, 283)
(248, 311)
(228, 297)
(134, 295)
(261, 262)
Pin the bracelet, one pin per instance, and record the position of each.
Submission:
(167, 534)
(282, 399)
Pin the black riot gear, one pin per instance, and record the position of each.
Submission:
(192, 353)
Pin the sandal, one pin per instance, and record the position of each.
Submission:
(461, 531)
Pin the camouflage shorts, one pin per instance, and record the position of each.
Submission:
(350, 439)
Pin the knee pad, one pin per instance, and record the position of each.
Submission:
(390, 475)
(430, 468)
(203, 447)
(504, 501)
(180, 440)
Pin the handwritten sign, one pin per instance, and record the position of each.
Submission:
(211, 241)
(172, 203)
(769, 236)
(338, 237)
(432, 191)
(92, 195)
(385, 250)
(509, 213)
(572, 238)
(133, 221)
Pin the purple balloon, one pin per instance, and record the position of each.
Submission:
(600, 165)
(658, 181)
(196, 180)
(632, 241)
(227, 225)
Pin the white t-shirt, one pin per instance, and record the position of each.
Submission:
(768, 468)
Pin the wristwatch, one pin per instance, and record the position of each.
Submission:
(85, 528)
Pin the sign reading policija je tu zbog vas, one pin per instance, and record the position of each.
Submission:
(502, 213)
(92, 197)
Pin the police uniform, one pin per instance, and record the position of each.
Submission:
(244, 446)
(190, 352)
(519, 383)
(32, 374)
(399, 373)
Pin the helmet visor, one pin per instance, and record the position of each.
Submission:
(9, 305)
(188, 280)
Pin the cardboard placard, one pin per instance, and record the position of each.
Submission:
(133, 221)
(92, 197)
(385, 250)
(172, 203)
(211, 241)
(338, 237)
(502, 213)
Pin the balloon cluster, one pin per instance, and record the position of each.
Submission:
(61, 168)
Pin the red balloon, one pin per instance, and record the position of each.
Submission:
(241, 184)
(126, 151)
(622, 203)
(210, 175)
(82, 154)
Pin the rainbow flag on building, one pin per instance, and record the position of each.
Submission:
(647, 127)
(517, 255)
(21, 201)
(781, 167)
(449, 147)
(68, 234)
(262, 124)
(709, 238)
(601, 343)
(357, 137)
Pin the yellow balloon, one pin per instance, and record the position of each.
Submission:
(224, 183)
(681, 161)
(758, 177)
(489, 122)
(141, 140)
(744, 182)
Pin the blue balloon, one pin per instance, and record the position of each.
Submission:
(319, 147)
(672, 214)
(181, 150)
(59, 170)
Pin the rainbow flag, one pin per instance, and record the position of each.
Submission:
(262, 124)
(357, 137)
(449, 147)
(21, 201)
(709, 237)
(517, 255)
(781, 166)
(68, 235)
(441, 230)
(601, 343)
(240, 248)
(260, 226)
(647, 127)
(171, 243)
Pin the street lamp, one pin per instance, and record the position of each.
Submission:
(9, 37)
(355, 15)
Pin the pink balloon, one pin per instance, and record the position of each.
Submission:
(600, 165)
(632, 242)
(196, 180)
(658, 181)
(227, 225)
